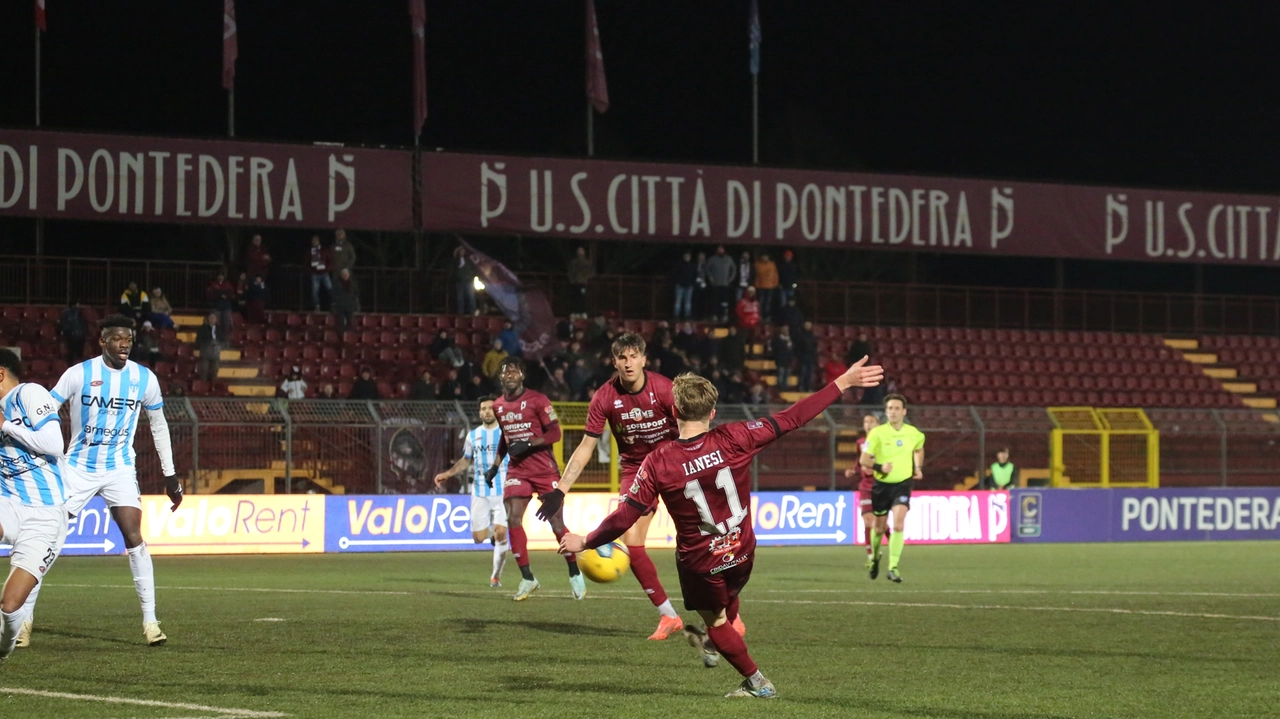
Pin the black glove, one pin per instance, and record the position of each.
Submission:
(173, 488)
(489, 474)
(551, 503)
(519, 448)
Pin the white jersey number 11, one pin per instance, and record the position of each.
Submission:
(724, 481)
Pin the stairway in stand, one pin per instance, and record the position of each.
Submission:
(242, 378)
(1229, 376)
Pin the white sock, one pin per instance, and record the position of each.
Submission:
(144, 581)
(500, 558)
(9, 633)
(666, 610)
(29, 607)
(757, 679)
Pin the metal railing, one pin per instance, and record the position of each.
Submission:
(31, 280)
(271, 445)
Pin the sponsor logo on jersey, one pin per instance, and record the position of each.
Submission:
(511, 417)
(755, 425)
(511, 483)
(635, 414)
(87, 400)
(96, 383)
(617, 404)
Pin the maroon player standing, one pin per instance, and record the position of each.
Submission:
(704, 479)
(529, 429)
(639, 409)
(866, 478)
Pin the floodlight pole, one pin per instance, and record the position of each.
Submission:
(755, 119)
(231, 111)
(591, 130)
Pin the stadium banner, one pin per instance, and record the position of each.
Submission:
(1145, 515)
(92, 533)
(63, 175)
(235, 524)
(954, 518)
(636, 201)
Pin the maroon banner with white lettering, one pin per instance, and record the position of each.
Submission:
(747, 205)
(117, 177)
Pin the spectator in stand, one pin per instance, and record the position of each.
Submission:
(735, 389)
(746, 273)
(342, 254)
(161, 310)
(557, 388)
(242, 293)
(318, 261)
(464, 276)
(859, 348)
(176, 390)
(721, 274)
(784, 353)
(700, 301)
(748, 312)
(510, 340)
(73, 328)
(255, 305)
(686, 340)
(423, 388)
(661, 333)
(365, 387)
(453, 355)
(806, 355)
(576, 377)
(757, 395)
(451, 388)
(220, 294)
(257, 260)
(328, 392)
(684, 277)
(733, 350)
(146, 347)
(135, 303)
(833, 368)
(493, 360)
(581, 270)
(442, 342)
(766, 285)
(476, 388)
(294, 387)
(788, 278)
(346, 298)
(791, 316)
(209, 340)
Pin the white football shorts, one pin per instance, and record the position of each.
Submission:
(486, 511)
(119, 488)
(36, 534)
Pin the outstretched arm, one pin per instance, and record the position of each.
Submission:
(458, 468)
(615, 525)
(577, 462)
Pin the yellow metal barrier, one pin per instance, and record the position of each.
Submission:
(1103, 448)
(596, 475)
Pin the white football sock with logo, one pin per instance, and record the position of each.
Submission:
(144, 581)
(500, 557)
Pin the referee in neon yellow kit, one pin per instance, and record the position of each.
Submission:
(895, 452)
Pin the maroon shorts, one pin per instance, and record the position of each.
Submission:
(863, 498)
(516, 487)
(712, 592)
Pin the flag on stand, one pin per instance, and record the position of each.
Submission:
(597, 89)
(754, 34)
(40, 21)
(230, 50)
(527, 307)
(418, 20)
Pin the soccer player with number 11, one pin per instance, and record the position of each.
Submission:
(704, 478)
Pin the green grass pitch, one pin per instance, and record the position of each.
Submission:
(975, 632)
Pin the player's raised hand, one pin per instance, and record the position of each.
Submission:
(572, 543)
(860, 374)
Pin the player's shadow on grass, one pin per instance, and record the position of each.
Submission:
(480, 626)
(36, 634)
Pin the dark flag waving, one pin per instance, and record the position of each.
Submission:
(527, 307)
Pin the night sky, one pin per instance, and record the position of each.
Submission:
(1146, 94)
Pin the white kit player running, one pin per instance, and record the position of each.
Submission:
(33, 519)
(107, 395)
(488, 515)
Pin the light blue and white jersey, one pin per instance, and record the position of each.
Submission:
(29, 472)
(481, 448)
(105, 405)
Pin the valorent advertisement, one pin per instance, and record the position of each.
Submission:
(235, 524)
(954, 518)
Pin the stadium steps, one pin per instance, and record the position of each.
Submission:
(1228, 376)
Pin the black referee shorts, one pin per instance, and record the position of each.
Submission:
(886, 495)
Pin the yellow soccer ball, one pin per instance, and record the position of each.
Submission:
(605, 564)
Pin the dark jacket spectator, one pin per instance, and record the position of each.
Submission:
(255, 305)
(858, 349)
(806, 346)
(135, 303)
(510, 340)
(784, 354)
(722, 274)
(221, 294)
(441, 343)
(210, 341)
(451, 388)
(746, 273)
(257, 260)
(732, 350)
(791, 316)
(557, 387)
(342, 253)
(146, 346)
(73, 328)
(346, 298)
(576, 377)
(788, 275)
(365, 387)
(684, 277)
(318, 261)
(581, 270)
(463, 274)
(423, 388)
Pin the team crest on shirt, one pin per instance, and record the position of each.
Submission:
(96, 383)
(755, 425)
(899, 443)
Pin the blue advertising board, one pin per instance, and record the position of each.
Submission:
(1145, 515)
(91, 533)
(390, 523)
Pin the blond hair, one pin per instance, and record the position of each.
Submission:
(695, 397)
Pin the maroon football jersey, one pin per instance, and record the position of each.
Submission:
(525, 417)
(640, 421)
(867, 477)
(705, 482)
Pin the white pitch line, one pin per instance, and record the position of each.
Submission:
(255, 589)
(235, 713)
(1035, 591)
